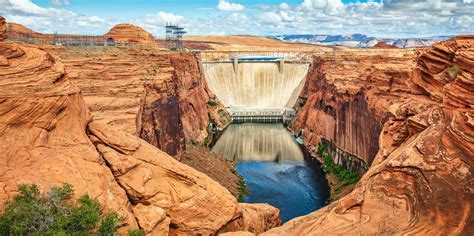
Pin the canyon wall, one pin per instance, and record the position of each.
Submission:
(420, 181)
(48, 137)
(158, 96)
(342, 103)
(255, 85)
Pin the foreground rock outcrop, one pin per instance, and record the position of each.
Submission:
(48, 137)
(421, 179)
(193, 203)
(42, 132)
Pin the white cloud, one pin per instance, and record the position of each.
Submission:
(270, 18)
(164, 17)
(329, 6)
(237, 17)
(96, 19)
(60, 2)
(228, 6)
(286, 17)
(50, 20)
(391, 18)
(284, 6)
(264, 7)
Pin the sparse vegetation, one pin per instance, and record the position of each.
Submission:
(212, 103)
(206, 141)
(454, 72)
(55, 213)
(243, 190)
(136, 232)
(346, 177)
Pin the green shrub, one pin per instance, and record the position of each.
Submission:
(454, 72)
(54, 213)
(109, 223)
(243, 190)
(345, 177)
(136, 232)
(212, 103)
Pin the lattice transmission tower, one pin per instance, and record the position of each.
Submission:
(174, 37)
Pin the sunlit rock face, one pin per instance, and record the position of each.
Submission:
(258, 142)
(256, 85)
(421, 179)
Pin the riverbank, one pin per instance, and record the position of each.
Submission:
(338, 186)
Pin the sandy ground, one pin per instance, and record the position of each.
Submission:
(252, 43)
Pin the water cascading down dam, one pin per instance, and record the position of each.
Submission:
(257, 86)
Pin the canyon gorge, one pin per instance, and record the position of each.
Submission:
(131, 127)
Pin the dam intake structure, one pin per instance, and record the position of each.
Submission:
(257, 87)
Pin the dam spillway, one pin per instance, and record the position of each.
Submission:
(254, 86)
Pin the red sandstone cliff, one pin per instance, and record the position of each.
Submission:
(3, 29)
(348, 96)
(421, 178)
(20, 31)
(48, 137)
(158, 96)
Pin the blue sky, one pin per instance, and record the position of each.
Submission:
(383, 18)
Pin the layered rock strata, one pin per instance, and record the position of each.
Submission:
(347, 96)
(127, 33)
(3, 29)
(160, 97)
(43, 119)
(420, 181)
(48, 137)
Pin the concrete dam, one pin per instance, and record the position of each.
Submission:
(258, 87)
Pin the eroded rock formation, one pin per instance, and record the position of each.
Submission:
(127, 33)
(3, 29)
(160, 97)
(420, 181)
(192, 201)
(20, 31)
(347, 98)
(42, 130)
(268, 218)
(49, 137)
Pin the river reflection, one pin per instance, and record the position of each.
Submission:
(274, 168)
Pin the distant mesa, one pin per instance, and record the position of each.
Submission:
(383, 45)
(121, 33)
(360, 40)
(18, 31)
(128, 33)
